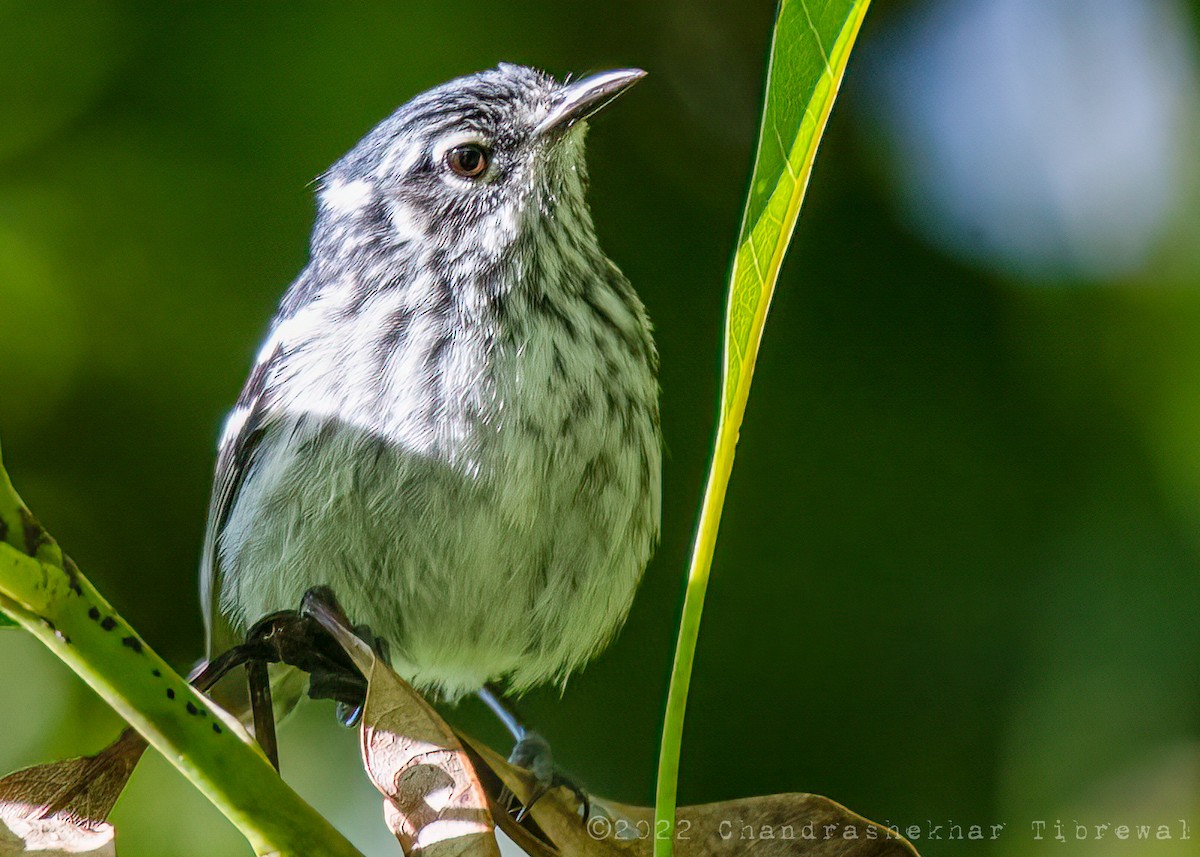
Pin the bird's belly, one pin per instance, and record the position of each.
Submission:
(518, 561)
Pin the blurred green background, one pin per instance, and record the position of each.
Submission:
(957, 577)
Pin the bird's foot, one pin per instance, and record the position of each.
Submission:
(350, 714)
(297, 639)
(264, 645)
(532, 752)
(332, 675)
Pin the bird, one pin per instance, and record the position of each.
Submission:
(453, 420)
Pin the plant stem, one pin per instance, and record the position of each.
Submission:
(46, 594)
(666, 792)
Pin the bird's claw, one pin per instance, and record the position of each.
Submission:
(532, 752)
(337, 677)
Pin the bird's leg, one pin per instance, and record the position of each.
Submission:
(531, 752)
(504, 710)
(256, 648)
(262, 709)
(260, 649)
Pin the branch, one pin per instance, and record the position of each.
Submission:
(43, 591)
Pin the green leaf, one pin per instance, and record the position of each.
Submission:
(811, 44)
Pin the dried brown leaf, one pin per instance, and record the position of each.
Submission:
(436, 804)
(433, 801)
(442, 797)
(62, 807)
(785, 824)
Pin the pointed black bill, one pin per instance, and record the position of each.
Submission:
(581, 99)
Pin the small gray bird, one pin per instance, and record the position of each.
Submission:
(453, 422)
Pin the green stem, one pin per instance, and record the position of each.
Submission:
(45, 593)
(666, 793)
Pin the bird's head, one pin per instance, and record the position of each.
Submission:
(468, 166)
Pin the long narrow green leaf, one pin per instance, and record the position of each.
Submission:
(811, 44)
(44, 592)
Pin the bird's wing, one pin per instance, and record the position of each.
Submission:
(241, 440)
(244, 429)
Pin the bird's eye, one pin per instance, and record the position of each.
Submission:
(469, 160)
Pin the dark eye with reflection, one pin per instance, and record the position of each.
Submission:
(469, 160)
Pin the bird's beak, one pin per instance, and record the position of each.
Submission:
(582, 98)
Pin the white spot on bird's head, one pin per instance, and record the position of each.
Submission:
(343, 197)
(408, 225)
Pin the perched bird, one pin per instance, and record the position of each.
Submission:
(453, 421)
